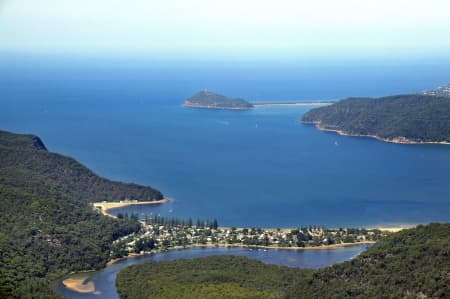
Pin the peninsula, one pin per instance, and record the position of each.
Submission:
(105, 206)
(210, 100)
(414, 118)
(47, 226)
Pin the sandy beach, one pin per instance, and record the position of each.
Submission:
(394, 229)
(292, 104)
(77, 283)
(106, 206)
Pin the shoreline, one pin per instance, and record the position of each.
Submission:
(397, 140)
(77, 282)
(394, 229)
(216, 107)
(261, 104)
(104, 207)
(322, 247)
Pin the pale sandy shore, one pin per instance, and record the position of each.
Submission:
(77, 283)
(399, 140)
(106, 206)
(394, 229)
(129, 256)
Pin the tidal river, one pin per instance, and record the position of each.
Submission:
(104, 280)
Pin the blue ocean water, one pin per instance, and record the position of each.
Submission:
(245, 168)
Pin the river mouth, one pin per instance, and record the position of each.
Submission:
(101, 284)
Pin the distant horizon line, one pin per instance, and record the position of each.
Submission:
(99, 57)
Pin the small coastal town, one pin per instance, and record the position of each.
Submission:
(162, 233)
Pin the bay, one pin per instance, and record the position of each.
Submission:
(245, 168)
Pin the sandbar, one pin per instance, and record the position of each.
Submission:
(107, 205)
(78, 283)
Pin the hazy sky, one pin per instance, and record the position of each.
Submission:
(227, 28)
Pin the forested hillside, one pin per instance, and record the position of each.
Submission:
(415, 118)
(47, 227)
(21, 153)
(208, 99)
(414, 263)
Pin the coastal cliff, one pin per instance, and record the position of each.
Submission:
(211, 100)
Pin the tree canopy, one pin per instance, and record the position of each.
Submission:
(413, 263)
(47, 226)
(417, 118)
(208, 99)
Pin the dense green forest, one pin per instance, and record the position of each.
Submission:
(418, 118)
(47, 227)
(413, 263)
(208, 99)
(27, 152)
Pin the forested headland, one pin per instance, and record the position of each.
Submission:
(415, 118)
(47, 226)
(413, 263)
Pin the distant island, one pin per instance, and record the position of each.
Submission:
(211, 100)
(415, 118)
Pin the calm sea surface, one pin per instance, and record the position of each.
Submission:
(245, 168)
